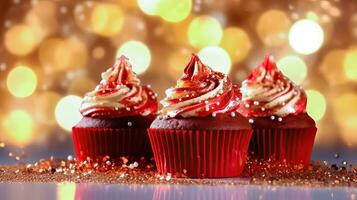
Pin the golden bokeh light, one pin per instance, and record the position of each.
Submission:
(44, 106)
(81, 85)
(18, 128)
(98, 52)
(345, 113)
(67, 111)
(237, 43)
(204, 31)
(273, 27)
(177, 62)
(107, 19)
(331, 67)
(21, 81)
(306, 36)
(42, 18)
(169, 10)
(138, 53)
(217, 58)
(20, 40)
(60, 54)
(316, 104)
(294, 68)
(174, 10)
(149, 7)
(350, 64)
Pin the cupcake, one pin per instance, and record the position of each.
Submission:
(198, 133)
(116, 115)
(276, 109)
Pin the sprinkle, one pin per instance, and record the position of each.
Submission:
(149, 86)
(116, 108)
(218, 103)
(251, 121)
(272, 117)
(127, 108)
(280, 119)
(206, 102)
(233, 114)
(263, 109)
(130, 124)
(247, 105)
(214, 114)
(256, 103)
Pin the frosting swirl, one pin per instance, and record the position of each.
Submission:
(267, 92)
(119, 93)
(200, 92)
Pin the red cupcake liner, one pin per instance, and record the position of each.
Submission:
(200, 153)
(113, 142)
(288, 145)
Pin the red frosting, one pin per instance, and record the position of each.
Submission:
(267, 92)
(119, 94)
(201, 92)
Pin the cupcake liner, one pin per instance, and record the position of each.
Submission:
(281, 144)
(200, 153)
(113, 142)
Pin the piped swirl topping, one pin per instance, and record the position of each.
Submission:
(119, 93)
(200, 92)
(267, 92)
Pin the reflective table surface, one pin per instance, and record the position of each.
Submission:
(70, 191)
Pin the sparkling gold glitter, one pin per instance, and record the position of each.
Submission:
(142, 171)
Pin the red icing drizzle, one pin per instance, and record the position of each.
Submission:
(199, 80)
(124, 78)
(276, 88)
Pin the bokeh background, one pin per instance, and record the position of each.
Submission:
(53, 51)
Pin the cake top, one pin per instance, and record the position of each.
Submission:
(200, 92)
(119, 93)
(267, 92)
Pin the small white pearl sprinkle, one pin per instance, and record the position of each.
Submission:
(116, 108)
(247, 105)
(180, 99)
(263, 109)
(206, 102)
(272, 117)
(214, 114)
(251, 121)
(280, 119)
(130, 124)
(218, 103)
(149, 86)
(256, 103)
(128, 109)
(233, 114)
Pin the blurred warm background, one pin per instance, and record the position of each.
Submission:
(53, 51)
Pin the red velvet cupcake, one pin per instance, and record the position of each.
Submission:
(276, 109)
(116, 115)
(199, 133)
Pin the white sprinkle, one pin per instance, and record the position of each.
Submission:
(116, 108)
(256, 103)
(280, 119)
(218, 103)
(127, 108)
(263, 109)
(149, 86)
(233, 114)
(136, 164)
(214, 114)
(130, 124)
(246, 105)
(272, 117)
(206, 102)
(207, 108)
(70, 157)
(251, 121)
(184, 171)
